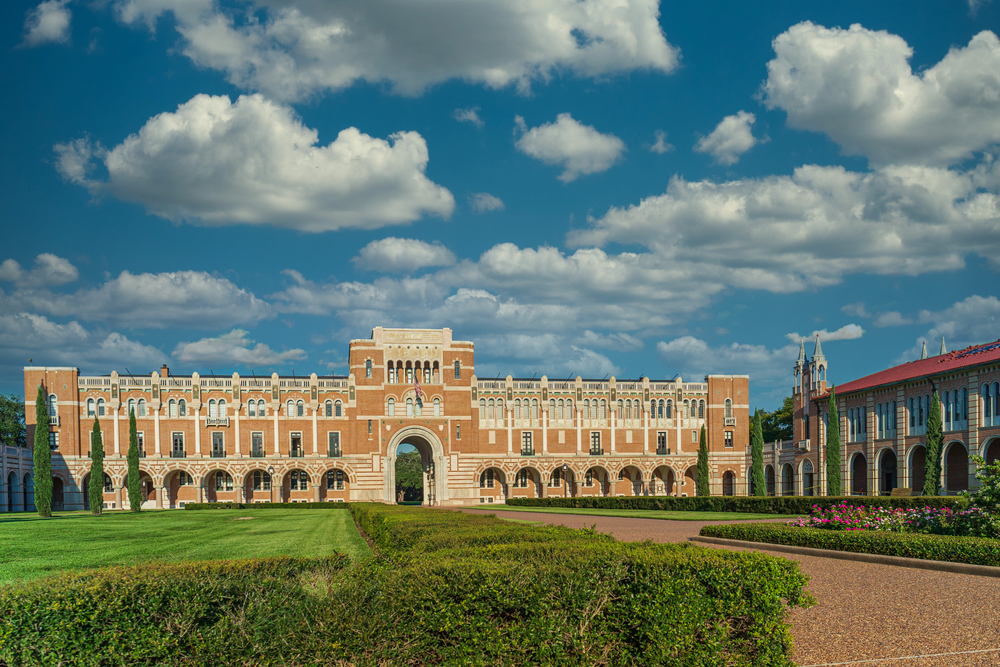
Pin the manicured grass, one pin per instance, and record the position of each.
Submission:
(637, 514)
(31, 547)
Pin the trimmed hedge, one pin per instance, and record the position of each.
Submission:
(454, 588)
(265, 506)
(950, 548)
(746, 504)
(192, 613)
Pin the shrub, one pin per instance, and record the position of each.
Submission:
(746, 504)
(265, 506)
(955, 549)
(939, 521)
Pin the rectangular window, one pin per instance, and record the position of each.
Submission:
(458, 370)
(140, 441)
(53, 441)
(368, 369)
(527, 449)
(369, 427)
(177, 445)
(458, 431)
(595, 443)
(295, 449)
(333, 444)
(257, 445)
(729, 438)
(694, 436)
(661, 443)
(218, 445)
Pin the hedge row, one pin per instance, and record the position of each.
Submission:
(191, 613)
(954, 549)
(265, 506)
(453, 588)
(747, 504)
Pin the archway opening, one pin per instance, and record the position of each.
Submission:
(918, 460)
(492, 485)
(29, 493)
(629, 482)
(596, 482)
(859, 469)
(808, 481)
(12, 492)
(728, 483)
(956, 473)
(993, 451)
(58, 502)
(257, 487)
(561, 482)
(662, 482)
(433, 471)
(769, 479)
(527, 483)
(887, 472)
(689, 484)
(335, 486)
(787, 480)
(220, 487)
(409, 475)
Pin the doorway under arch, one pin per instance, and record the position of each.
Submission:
(887, 471)
(432, 461)
(728, 483)
(956, 472)
(917, 466)
(859, 474)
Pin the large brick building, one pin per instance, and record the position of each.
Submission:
(883, 423)
(330, 438)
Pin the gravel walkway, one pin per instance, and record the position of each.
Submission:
(867, 615)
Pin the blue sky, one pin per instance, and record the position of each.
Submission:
(584, 187)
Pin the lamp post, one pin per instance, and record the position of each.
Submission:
(565, 469)
(270, 475)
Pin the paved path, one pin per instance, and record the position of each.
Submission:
(881, 615)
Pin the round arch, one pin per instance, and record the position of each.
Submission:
(531, 479)
(787, 480)
(916, 464)
(596, 481)
(690, 481)
(807, 477)
(220, 486)
(629, 481)
(492, 484)
(886, 458)
(956, 467)
(991, 450)
(662, 481)
(729, 483)
(432, 458)
(769, 479)
(258, 485)
(859, 474)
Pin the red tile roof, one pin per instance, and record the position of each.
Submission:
(971, 356)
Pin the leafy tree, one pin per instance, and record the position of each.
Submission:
(410, 476)
(757, 480)
(702, 487)
(43, 456)
(833, 448)
(777, 425)
(12, 431)
(132, 483)
(935, 439)
(96, 490)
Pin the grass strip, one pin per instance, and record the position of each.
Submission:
(947, 548)
(666, 515)
(798, 505)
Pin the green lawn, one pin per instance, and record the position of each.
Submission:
(639, 514)
(31, 547)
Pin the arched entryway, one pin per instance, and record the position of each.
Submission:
(12, 492)
(58, 501)
(433, 462)
(492, 486)
(108, 489)
(728, 483)
(769, 479)
(689, 485)
(596, 482)
(887, 471)
(561, 482)
(335, 486)
(629, 482)
(787, 480)
(527, 483)
(29, 493)
(808, 480)
(992, 451)
(917, 458)
(956, 467)
(297, 486)
(859, 474)
(257, 486)
(220, 487)
(662, 482)
(181, 489)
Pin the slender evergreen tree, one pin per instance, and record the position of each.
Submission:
(757, 480)
(42, 456)
(833, 448)
(703, 484)
(133, 484)
(935, 439)
(96, 491)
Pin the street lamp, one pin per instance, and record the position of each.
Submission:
(270, 476)
(565, 469)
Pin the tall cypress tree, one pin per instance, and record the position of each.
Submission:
(757, 480)
(96, 490)
(833, 448)
(703, 484)
(42, 456)
(133, 484)
(935, 439)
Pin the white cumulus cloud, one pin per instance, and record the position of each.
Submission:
(620, 341)
(578, 148)
(468, 116)
(48, 22)
(661, 145)
(49, 270)
(402, 255)
(234, 349)
(846, 332)
(482, 202)
(857, 86)
(730, 139)
(695, 358)
(254, 162)
(291, 51)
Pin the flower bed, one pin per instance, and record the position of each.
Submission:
(934, 520)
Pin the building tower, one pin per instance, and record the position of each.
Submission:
(810, 380)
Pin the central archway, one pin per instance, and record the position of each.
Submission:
(432, 459)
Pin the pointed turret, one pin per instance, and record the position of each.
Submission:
(923, 351)
(818, 352)
(944, 350)
(801, 361)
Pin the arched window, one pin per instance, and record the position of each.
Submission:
(458, 370)
(588, 478)
(261, 409)
(517, 408)
(534, 408)
(437, 407)
(90, 407)
(328, 408)
(892, 417)
(142, 407)
(482, 409)
(51, 403)
(184, 478)
(261, 481)
(252, 409)
(501, 413)
(552, 409)
(729, 408)
(338, 409)
(562, 415)
(670, 409)
(701, 409)
(182, 407)
(694, 408)
(486, 479)
(996, 402)
(131, 406)
(491, 409)
(100, 407)
(172, 408)
(300, 408)
(290, 409)
(392, 373)
(409, 407)
(223, 481)
(213, 409)
(427, 372)
(390, 407)
(604, 409)
(586, 408)
(298, 480)
(368, 369)
(419, 406)
(109, 486)
(621, 409)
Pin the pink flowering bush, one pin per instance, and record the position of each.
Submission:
(939, 521)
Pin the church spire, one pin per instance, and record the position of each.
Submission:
(944, 350)
(818, 352)
(923, 351)
(802, 353)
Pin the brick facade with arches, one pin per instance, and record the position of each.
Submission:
(334, 438)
